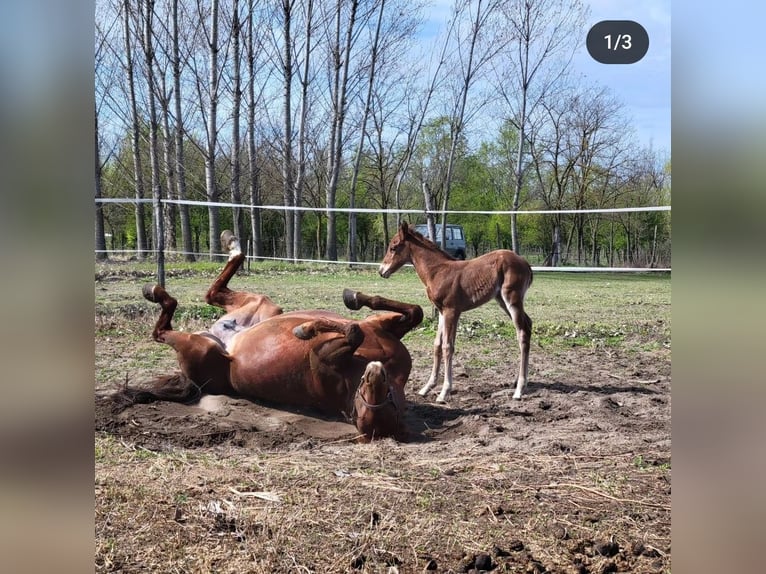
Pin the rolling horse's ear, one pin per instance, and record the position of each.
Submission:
(403, 227)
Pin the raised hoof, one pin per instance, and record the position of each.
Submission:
(302, 333)
(350, 300)
(148, 292)
(230, 242)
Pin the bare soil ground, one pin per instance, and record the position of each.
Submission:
(574, 478)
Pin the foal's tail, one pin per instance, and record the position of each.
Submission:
(177, 388)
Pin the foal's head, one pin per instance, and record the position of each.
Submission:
(398, 251)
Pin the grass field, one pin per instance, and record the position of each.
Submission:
(573, 478)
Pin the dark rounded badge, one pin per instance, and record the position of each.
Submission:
(617, 42)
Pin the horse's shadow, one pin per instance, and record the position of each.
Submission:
(426, 421)
(565, 388)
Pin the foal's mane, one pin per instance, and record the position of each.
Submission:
(424, 241)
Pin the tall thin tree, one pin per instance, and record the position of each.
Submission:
(543, 33)
(287, 143)
(302, 128)
(340, 64)
(180, 160)
(374, 53)
(211, 185)
(135, 134)
(252, 161)
(159, 230)
(101, 253)
(236, 194)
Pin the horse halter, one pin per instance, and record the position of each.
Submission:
(389, 399)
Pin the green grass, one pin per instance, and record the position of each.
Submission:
(567, 309)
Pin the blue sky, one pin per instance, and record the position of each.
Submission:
(643, 87)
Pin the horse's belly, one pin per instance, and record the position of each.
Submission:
(271, 364)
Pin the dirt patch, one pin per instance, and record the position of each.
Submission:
(599, 402)
(575, 477)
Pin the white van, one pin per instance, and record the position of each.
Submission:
(455, 244)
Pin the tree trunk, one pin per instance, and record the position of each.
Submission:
(236, 194)
(101, 254)
(456, 123)
(339, 114)
(301, 177)
(159, 232)
(135, 139)
(358, 159)
(253, 170)
(183, 209)
(170, 209)
(287, 137)
(556, 257)
(518, 176)
(212, 137)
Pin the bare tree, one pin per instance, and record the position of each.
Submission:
(480, 48)
(252, 161)
(543, 35)
(159, 232)
(135, 132)
(100, 234)
(101, 253)
(374, 54)
(180, 161)
(212, 93)
(287, 149)
(170, 209)
(302, 128)
(341, 57)
(236, 194)
(553, 162)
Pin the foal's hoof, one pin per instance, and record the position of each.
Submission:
(149, 294)
(350, 300)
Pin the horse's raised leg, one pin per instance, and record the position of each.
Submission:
(334, 349)
(201, 358)
(219, 293)
(410, 316)
(449, 333)
(513, 305)
(157, 294)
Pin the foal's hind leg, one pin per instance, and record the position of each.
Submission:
(437, 362)
(449, 334)
(513, 304)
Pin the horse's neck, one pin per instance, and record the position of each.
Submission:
(426, 261)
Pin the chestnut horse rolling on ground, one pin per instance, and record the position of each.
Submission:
(303, 359)
(455, 286)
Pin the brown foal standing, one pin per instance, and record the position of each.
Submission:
(455, 286)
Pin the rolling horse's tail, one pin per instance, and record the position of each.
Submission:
(177, 388)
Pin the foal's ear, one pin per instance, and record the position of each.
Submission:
(403, 227)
